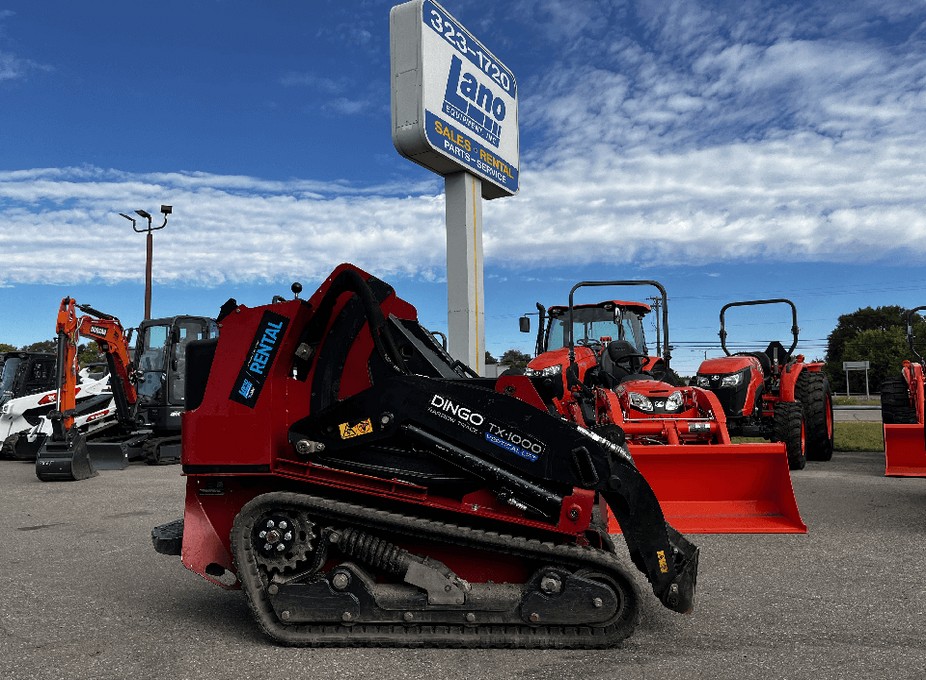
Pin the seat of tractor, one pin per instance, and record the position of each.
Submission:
(774, 349)
(621, 362)
(763, 360)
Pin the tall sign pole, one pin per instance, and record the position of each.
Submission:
(455, 112)
(465, 295)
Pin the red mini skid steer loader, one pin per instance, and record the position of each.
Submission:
(366, 489)
(593, 365)
(773, 394)
(902, 414)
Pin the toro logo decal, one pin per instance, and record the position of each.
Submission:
(253, 373)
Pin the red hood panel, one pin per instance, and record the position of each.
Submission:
(724, 365)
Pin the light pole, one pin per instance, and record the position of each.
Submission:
(165, 210)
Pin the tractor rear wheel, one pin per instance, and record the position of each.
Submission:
(896, 408)
(789, 428)
(816, 397)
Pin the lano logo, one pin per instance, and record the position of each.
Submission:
(247, 389)
(473, 104)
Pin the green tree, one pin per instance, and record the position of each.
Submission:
(490, 359)
(514, 358)
(90, 354)
(876, 335)
(50, 346)
(5, 347)
(883, 349)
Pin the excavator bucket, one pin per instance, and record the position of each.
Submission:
(64, 460)
(904, 450)
(721, 489)
(108, 455)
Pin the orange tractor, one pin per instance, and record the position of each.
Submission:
(774, 394)
(596, 370)
(902, 414)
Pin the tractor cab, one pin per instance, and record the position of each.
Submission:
(594, 325)
(160, 358)
(25, 373)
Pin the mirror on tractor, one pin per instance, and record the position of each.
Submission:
(524, 324)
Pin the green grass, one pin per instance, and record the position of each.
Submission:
(858, 436)
(848, 436)
(843, 400)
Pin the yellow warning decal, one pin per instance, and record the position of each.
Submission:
(663, 565)
(349, 431)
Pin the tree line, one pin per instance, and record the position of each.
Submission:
(87, 353)
(877, 335)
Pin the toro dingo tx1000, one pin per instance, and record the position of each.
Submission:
(365, 488)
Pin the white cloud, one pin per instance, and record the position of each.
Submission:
(63, 226)
(698, 137)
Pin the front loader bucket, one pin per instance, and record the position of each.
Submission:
(904, 451)
(721, 488)
(63, 461)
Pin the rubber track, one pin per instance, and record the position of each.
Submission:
(150, 448)
(8, 448)
(419, 635)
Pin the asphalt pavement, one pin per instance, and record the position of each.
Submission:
(84, 596)
(857, 413)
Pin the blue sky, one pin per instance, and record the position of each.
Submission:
(730, 150)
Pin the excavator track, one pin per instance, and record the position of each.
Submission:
(161, 450)
(579, 596)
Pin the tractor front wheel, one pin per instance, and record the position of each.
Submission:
(789, 428)
(816, 397)
(896, 408)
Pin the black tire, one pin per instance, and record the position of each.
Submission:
(789, 428)
(8, 448)
(816, 397)
(896, 408)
